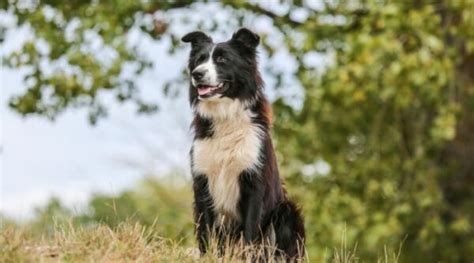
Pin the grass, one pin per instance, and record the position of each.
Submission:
(130, 242)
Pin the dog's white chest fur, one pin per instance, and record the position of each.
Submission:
(233, 148)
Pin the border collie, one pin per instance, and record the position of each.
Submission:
(237, 188)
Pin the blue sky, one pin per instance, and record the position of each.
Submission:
(70, 159)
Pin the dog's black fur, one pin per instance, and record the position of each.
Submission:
(263, 203)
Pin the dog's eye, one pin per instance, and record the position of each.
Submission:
(220, 59)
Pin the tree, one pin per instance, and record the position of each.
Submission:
(65, 70)
(391, 114)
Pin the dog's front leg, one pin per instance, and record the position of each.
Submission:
(203, 214)
(251, 202)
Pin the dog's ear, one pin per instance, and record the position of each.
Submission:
(196, 38)
(246, 37)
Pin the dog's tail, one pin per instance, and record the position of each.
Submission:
(289, 230)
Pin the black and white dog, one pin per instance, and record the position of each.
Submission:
(237, 188)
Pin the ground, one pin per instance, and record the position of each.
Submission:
(129, 242)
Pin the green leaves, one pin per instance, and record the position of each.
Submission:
(78, 50)
(383, 117)
(391, 112)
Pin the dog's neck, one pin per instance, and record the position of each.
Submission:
(224, 109)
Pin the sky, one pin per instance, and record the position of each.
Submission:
(71, 159)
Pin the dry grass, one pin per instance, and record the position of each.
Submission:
(130, 242)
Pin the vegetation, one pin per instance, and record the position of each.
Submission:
(122, 233)
(390, 116)
(128, 242)
(163, 206)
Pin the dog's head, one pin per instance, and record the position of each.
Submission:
(226, 70)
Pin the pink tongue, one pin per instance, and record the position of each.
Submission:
(204, 90)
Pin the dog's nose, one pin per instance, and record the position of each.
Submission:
(197, 75)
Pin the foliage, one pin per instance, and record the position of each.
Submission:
(163, 205)
(391, 115)
(62, 58)
(166, 204)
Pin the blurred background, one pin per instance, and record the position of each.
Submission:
(373, 116)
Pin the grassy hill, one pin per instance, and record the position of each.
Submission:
(128, 242)
(151, 222)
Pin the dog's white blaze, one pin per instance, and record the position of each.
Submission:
(234, 147)
(210, 71)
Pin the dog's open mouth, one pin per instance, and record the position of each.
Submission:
(205, 91)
